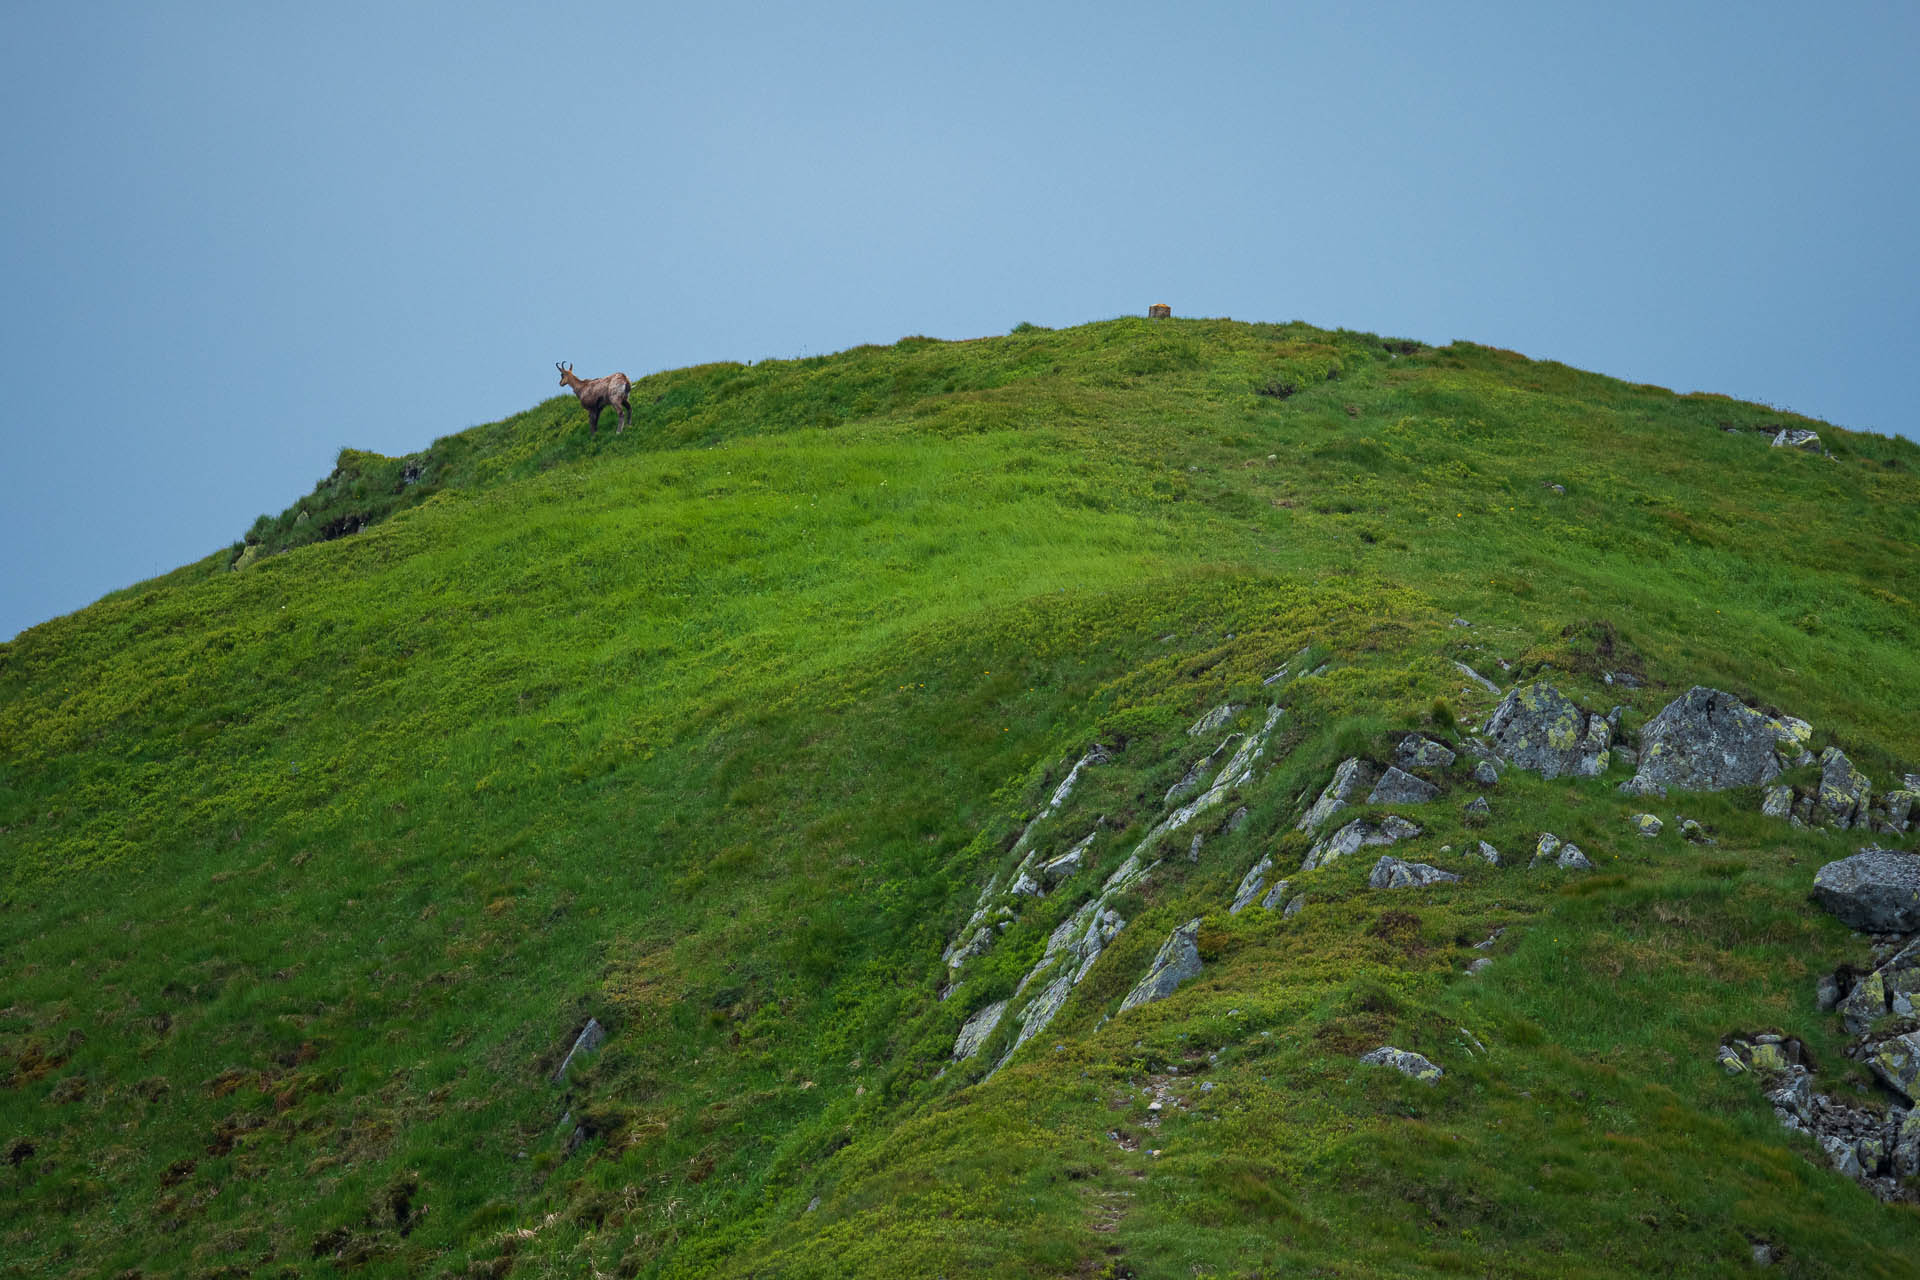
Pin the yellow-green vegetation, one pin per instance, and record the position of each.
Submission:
(315, 855)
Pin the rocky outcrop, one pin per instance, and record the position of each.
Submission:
(1177, 961)
(1393, 873)
(1357, 835)
(1416, 752)
(1876, 1147)
(1406, 1062)
(1876, 889)
(1250, 886)
(1539, 729)
(1397, 786)
(1706, 740)
(1844, 791)
(591, 1037)
(1215, 719)
(1351, 780)
(1798, 438)
(976, 1029)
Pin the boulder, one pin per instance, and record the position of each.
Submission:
(1876, 889)
(1353, 779)
(1777, 802)
(1393, 873)
(1068, 863)
(1844, 791)
(1552, 849)
(1404, 1061)
(1274, 896)
(1797, 438)
(1897, 1063)
(1646, 824)
(1900, 808)
(1477, 808)
(1706, 740)
(1491, 854)
(1539, 729)
(1397, 786)
(1177, 960)
(1416, 752)
(1485, 774)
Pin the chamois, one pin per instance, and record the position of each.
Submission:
(596, 394)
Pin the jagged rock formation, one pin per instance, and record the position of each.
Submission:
(1539, 729)
(1706, 740)
(1357, 835)
(1393, 873)
(1177, 960)
(1875, 1146)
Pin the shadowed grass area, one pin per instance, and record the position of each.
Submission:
(713, 731)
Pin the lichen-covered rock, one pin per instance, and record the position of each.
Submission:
(1215, 719)
(1485, 774)
(1417, 752)
(1899, 809)
(1250, 886)
(1404, 1061)
(1353, 779)
(1647, 824)
(1693, 833)
(1876, 889)
(1477, 808)
(1562, 854)
(1355, 836)
(1394, 873)
(1177, 960)
(1797, 438)
(1897, 1063)
(1706, 740)
(977, 1028)
(1539, 729)
(1397, 786)
(1274, 896)
(1777, 802)
(1488, 852)
(1844, 791)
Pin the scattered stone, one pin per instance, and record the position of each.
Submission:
(1477, 808)
(977, 1028)
(1393, 873)
(1357, 835)
(1215, 719)
(1486, 774)
(1491, 854)
(1539, 729)
(1706, 740)
(1844, 790)
(1560, 853)
(1478, 679)
(1286, 672)
(1397, 786)
(1474, 967)
(1876, 889)
(1557, 488)
(1693, 833)
(1646, 824)
(1404, 1061)
(1417, 752)
(1177, 960)
(1460, 622)
(1491, 939)
(1353, 779)
(591, 1037)
(1797, 438)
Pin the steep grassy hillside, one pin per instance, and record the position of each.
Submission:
(316, 856)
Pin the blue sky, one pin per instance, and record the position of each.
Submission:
(234, 238)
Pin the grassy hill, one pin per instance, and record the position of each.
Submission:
(316, 855)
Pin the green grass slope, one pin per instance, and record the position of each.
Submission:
(316, 855)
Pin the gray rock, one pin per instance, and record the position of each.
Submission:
(1417, 752)
(1900, 808)
(1177, 960)
(976, 1030)
(1215, 719)
(1404, 1061)
(1355, 836)
(1485, 774)
(1877, 890)
(1693, 833)
(591, 1037)
(1397, 786)
(1275, 895)
(1797, 438)
(1250, 886)
(1706, 740)
(1545, 850)
(1475, 967)
(1826, 993)
(1491, 854)
(1478, 679)
(1067, 863)
(1910, 781)
(1777, 802)
(1571, 859)
(1293, 908)
(1844, 790)
(1638, 786)
(1539, 729)
(1353, 779)
(1625, 757)
(1646, 824)
(1477, 808)
(1393, 873)
(1286, 672)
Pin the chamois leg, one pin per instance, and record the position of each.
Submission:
(593, 423)
(626, 414)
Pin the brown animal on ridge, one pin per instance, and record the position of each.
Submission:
(596, 394)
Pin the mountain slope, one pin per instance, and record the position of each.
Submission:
(319, 853)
